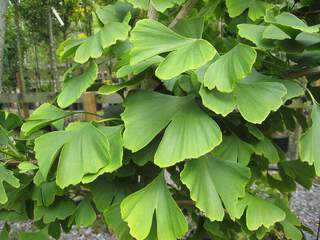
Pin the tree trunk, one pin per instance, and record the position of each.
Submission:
(3, 11)
(36, 56)
(53, 60)
(20, 74)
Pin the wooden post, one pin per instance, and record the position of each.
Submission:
(90, 105)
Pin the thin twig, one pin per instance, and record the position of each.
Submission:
(152, 12)
(184, 11)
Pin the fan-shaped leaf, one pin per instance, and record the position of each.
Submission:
(254, 33)
(8, 177)
(235, 65)
(255, 97)
(308, 144)
(61, 209)
(159, 5)
(234, 149)
(257, 8)
(85, 214)
(138, 209)
(74, 87)
(210, 179)
(260, 212)
(190, 134)
(150, 38)
(44, 115)
(93, 152)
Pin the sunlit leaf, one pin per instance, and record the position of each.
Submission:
(210, 180)
(138, 209)
(8, 177)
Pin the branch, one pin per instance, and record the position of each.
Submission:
(305, 72)
(184, 11)
(152, 12)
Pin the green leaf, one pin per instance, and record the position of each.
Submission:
(74, 87)
(113, 12)
(94, 46)
(139, 67)
(190, 27)
(159, 5)
(4, 235)
(46, 193)
(110, 89)
(138, 209)
(254, 33)
(39, 235)
(26, 167)
(255, 97)
(116, 225)
(44, 115)
(288, 20)
(68, 48)
(150, 38)
(114, 135)
(308, 144)
(210, 180)
(220, 103)
(257, 8)
(190, 134)
(291, 223)
(8, 177)
(266, 148)
(267, 97)
(61, 209)
(234, 149)
(275, 33)
(9, 121)
(301, 172)
(232, 67)
(73, 165)
(85, 215)
(260, 212)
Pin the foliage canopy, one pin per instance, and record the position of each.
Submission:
(206, 85)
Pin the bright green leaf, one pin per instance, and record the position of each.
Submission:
(44, 115)
(110, 89)
(74, 87)
(260, 212)
(26, 167)
(45, 194)
(39, 235)
(138, 209)
(210, 179)
(190, 134)
(114, 135)
(256, 8)
(150, 38)
(232, 67)
(275, 33)
(159, 5)
(73, 164)
(234, 149)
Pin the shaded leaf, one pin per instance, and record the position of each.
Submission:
(8, 177)
(85, 214)
(308, 144)
(61, 209)
(256, 8)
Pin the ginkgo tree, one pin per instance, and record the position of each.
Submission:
(191, 153)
